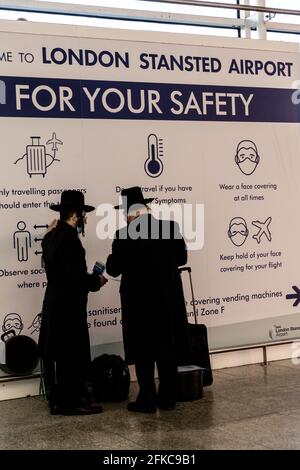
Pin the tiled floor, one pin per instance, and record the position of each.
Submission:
(248, 407)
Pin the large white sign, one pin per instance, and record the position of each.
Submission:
(213, 129)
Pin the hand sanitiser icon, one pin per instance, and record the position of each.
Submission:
(154, 165)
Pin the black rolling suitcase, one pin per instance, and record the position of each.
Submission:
(195, 371)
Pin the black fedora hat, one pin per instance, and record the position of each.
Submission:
(132, 196)
(72, 200)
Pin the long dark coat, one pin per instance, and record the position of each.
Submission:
(154, 318)
(64, 330)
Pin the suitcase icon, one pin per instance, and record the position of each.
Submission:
(36, 158)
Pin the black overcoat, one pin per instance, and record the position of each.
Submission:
(154, 321)
(64, 329)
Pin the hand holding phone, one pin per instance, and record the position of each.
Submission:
(99, 268)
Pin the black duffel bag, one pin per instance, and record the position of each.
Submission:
(21, 354)
(110, 378)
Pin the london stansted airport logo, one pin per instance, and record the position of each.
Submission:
(272, 332)
(277, 331)
(2, 92)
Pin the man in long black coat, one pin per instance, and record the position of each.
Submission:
(147, 253)
(64, 339)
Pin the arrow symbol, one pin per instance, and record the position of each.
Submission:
(38, 239)
(40, 226)
(294, 296)
(38, 252)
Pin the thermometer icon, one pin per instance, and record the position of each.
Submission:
(153, 165)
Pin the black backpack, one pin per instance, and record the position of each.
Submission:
(21, 354)
(110, 378)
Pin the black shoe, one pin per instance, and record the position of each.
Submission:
(82, 410)
(140, 408)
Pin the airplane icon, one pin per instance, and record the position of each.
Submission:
(54, 141)
(263, 230)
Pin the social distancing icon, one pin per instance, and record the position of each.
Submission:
(22, 241)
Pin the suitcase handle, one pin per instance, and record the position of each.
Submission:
(189, 270)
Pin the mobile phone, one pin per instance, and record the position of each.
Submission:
(99, 268)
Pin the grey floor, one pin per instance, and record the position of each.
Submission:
(249, 407)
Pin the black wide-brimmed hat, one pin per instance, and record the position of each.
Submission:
(132, 196)
(72, 200)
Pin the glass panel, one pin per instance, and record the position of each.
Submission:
(157, 6)
(283, 37)
(287, 4)
(121, 24)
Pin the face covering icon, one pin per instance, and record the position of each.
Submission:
(238, 231)
(247, 157)
(12, 321)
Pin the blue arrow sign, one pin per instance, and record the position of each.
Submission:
(295, 296)
(40, 226)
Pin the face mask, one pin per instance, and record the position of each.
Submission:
(80, 226)
(247, 166)
(238, 239)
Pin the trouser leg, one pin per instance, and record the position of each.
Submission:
(145, 376)
(49, 375)
(167, 374)
(70, 383)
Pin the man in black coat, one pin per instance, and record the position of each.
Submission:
(64, 339)
(147, 253)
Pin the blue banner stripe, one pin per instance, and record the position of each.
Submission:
(98, 99)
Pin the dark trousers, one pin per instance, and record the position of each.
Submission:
(167, 374)
(65, 382)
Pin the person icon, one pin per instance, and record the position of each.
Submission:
(22, 241)
(238, 231)
(247, 157)
(36, 324)
(12, 321)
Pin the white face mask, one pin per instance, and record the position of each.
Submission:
(238, 233)
(80, 224)
(238, 239)
(247, 166)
